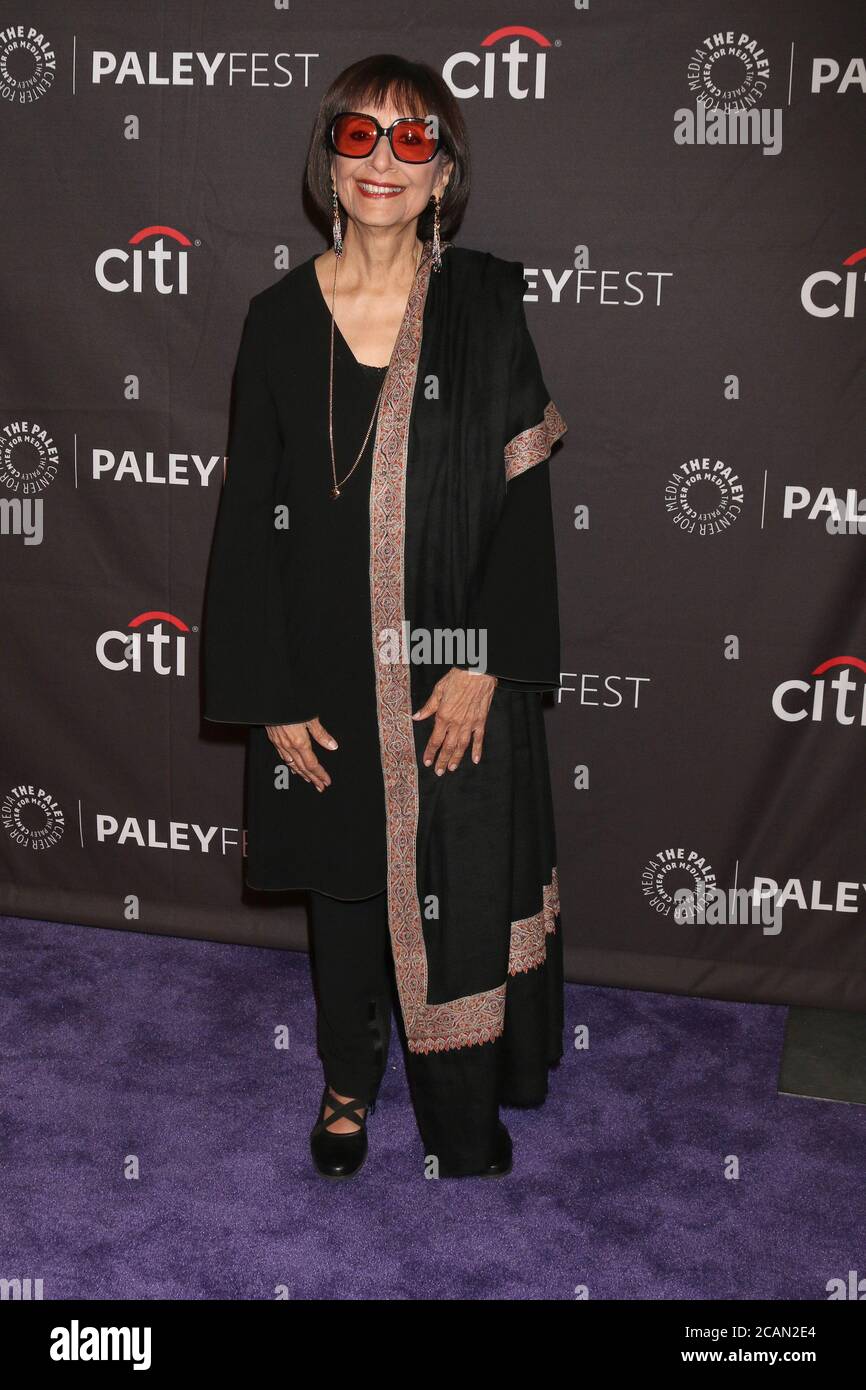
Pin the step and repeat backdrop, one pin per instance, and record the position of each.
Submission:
(683, 183)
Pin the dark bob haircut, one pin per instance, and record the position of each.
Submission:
(415, 90)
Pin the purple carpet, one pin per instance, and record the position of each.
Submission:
(122, 1048)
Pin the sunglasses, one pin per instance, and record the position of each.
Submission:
(355, 136)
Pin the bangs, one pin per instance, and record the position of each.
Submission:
(381, 91)
(412, 89)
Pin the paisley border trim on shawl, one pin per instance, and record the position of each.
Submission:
(534, 445)
(476, 1018)
(480, 1018)
(393, 686)
(529, 935)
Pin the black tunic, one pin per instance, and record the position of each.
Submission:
(460, 538)
(336, 843)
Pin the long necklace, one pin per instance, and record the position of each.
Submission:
(336, 489)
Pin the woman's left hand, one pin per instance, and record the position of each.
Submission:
(460, 701)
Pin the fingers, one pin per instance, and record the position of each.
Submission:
(307, 765)
(477, 743)
(429, 705)
(461, 707)
(440, 729)
(292, 742)
(449, 741)
(454, 746)
(317, 730)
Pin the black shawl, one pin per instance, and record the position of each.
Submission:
(461, 537)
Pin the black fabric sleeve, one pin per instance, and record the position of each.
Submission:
(516, 598)
(245, 663)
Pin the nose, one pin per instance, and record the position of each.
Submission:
(381, 155)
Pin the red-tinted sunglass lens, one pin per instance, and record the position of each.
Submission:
(353, 135)
(413, 142)
(356, 136)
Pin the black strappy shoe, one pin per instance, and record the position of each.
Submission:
(340, 1155)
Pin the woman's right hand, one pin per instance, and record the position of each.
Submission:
(292, 742)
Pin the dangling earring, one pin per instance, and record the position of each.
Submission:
(338, 230)
(437, 257)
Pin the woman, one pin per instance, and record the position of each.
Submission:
(381, 610)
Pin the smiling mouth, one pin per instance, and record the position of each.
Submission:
(379, 190)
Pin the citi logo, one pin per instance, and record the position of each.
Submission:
(525, 73)
(795, 700)
(150, 644)
(161, 266)
(827, 293)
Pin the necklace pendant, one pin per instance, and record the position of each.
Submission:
(335, 492)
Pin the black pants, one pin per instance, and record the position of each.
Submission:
(355, 994)
(351, 954)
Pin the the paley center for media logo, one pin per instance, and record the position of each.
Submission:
(28, 64)
(29, 461)
(728, 75)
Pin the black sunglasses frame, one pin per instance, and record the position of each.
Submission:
(380, 131)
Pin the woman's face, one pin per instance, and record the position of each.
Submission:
(413, 184)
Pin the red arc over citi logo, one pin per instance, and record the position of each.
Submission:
(161, 266)
(834, 301)
(795, 700)
(517, 65)
(160, 651)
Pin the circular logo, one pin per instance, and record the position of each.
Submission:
(704, 497)
(28, 459)
(729, 76)
(31, 817)
(668, 872)
(28, 64)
